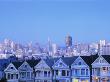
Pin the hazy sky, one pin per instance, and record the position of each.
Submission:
(36, 20)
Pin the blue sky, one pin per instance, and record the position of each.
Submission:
(36, 20)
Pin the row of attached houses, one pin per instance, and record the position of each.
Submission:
(65, 69)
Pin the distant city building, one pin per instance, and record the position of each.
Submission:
(102, 42)
(104, 48)
(68, 41)
(82, 47)
(54, 48)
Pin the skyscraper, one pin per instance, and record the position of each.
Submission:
(68, 41)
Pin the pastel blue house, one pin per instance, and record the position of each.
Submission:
(80, 71)
(101, 69)
(62, 69)
(43, 71)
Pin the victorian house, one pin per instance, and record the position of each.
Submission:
(80, 70)
(43, 71)
(101, 69)
(12, 73)
(61, 69)
(25, 73)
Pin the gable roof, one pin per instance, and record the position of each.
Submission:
(69, 60)
(49, 62)
(17, 64)
(5, 70)
(102, 56)
(78, 60)
(32, 63)
(107, 58)
(60, 60)
(89, 59)
(43, 63)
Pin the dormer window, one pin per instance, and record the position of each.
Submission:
(79, 63)
(60, 64)
(11, 67)
(25, 66)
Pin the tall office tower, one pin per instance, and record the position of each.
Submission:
(68, 41)
(54, 48)
(7, 42)
(49, 46)
(105, 50)
(102, 43)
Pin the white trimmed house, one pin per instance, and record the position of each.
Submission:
(80, 71)
(20, 71)
(101, 69)
(43, 72)
(25, 73)
(61, 71)
(12, 73)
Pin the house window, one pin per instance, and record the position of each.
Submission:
(63, 73)
(97, 71)
(87, 72)
(11, 67)
(68, 81)
(16, 76)
(60, 64)
(57, 72)
(32, 74)
(45, 80)
(79, 63)
(38, 73)
(82, 71)
(57, 81)
(67, 73)
(8, 76)
(28, 74)
(25, 66)
(11, 76)
(45, 73)
(53, 72)
(23, 74)
(105, 69)
(77, 72)
(73, 72)
(49, 74)
(39, 81)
